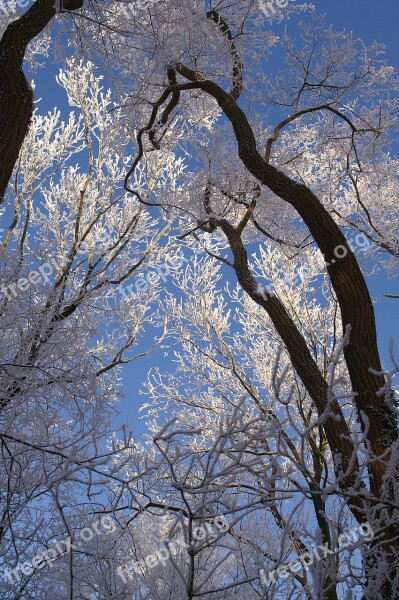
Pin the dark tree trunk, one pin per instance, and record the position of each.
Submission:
(375, 411)
(361, 354)
(16, 97)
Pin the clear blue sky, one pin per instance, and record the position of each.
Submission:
(371, 21)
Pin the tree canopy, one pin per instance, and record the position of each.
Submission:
(196, 201)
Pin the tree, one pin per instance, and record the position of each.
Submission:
(324, 87)
(68, 324)
(236, 404)
(16, 98)
(283, 420)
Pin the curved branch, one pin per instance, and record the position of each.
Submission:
(237, 63)
(292, 118)
(330, 415)
(375, 413)
(172, 104)
(376, 416)
(174, 90)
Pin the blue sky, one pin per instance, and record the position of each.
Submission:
(370, 21)
(373, 21)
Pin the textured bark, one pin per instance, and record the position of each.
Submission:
(16, 97)
(335, 427)
(375, 415)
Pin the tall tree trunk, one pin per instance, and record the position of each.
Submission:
(376, 415)
(375, 410)
(16, 96)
